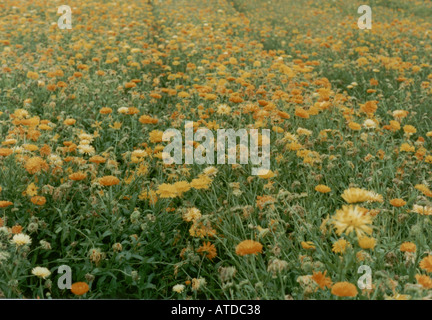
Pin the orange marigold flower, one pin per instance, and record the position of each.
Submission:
(156, 136)
(77, 176)
(38, 200)
(35, 164)
(321, 279)
(97, 159)
(426, 263)
(16, 229)
(79, 288)
(354, 126)
(32, 75)
(344, 289)
(409, 129)
(5, 204)
(424, 281)
(397, 202)
(105, 110)
(408, 247)
(108, 181)
(302, 113)
(249, 247)
(148, 120)
(69, 122)
(129, 85)
(209, 249)
(369, 106)
(4, 152)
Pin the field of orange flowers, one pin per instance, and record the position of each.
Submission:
(89, 209)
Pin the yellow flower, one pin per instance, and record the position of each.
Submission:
(31, 190)
(202, 182)
(191, 214)
(265, 174)
(397, 202)
(349, 219)
(166, 190)
(354, 195)
(308, 245)
(156, 136)
(322, 188)
(108, 181)
(340, 246)
(182, 186)
(426, 210)
(366, 242)
(398, 296)
(116, 126)
(408, 247)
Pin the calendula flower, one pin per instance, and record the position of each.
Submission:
(248, 247)
(181, 186)
(38, 200)
(97, 159)
(321, 279)
(79, 288)
(424, 281)
(4, 152)
(426, 263)
(201, 182)
(265, 174)
(308, 245)
(223, 109)
(208, 249)
(344, 289)
(21, 239)
(423, 210)
(35, 164)
(5, 204)
(366, 242)
(397, 202)
(210, 171)
(166, 190)
(340, 246)
(355, 195)
(179, 288)
(105, 110)
(69, 122)
(108, 181)
(77, 176)
(322, 188)
(408, 247)
(191, 214)
(41, 272)
(349, 219)
(156, 136)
